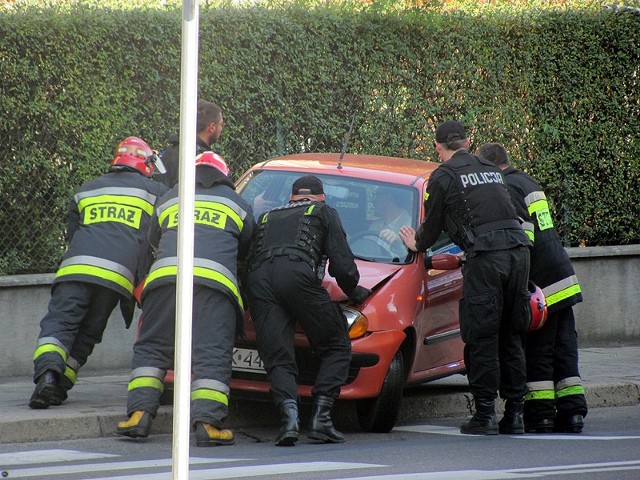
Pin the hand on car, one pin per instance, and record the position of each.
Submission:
(408, 236)
(360, 294)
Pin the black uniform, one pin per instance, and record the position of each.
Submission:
(170, 159)
(108, 222)
(284, 286)
(553, 377)
(224, 225)
(466, 198)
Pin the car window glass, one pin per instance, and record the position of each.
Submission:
(371, 212)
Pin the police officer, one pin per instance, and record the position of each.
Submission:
(286, 267)
(466, 198)
(209, 124)
(107, 231)
(224, 225)
(556, 397)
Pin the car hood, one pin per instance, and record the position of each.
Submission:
(371, 275)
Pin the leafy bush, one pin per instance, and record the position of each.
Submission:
(558, 86)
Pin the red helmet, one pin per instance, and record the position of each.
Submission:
(538, 307)
(212, 159)
(134, 153)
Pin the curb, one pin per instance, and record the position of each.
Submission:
(417, 406)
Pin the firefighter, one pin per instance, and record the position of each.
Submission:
(556, 398)
(286, 266)
(209, 125)
(224, 225)
(108, 222)
(466, 197)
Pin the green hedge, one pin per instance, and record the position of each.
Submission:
(558, 88)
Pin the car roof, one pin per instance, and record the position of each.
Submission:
(372, 167)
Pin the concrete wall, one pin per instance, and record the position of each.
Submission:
(609, 315)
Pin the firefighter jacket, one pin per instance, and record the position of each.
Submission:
(307, 231)
(466, 197)
(224, 225)
(551, 267)
(108, 222)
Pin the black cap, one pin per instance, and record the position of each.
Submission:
(450, 131)
(309, 184)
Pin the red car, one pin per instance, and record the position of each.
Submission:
(407, 332)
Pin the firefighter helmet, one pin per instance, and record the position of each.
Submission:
(212, 159)
(134, 154)
(538, 307)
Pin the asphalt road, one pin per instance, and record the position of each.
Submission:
(608, 449)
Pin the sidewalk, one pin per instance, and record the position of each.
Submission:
(611, 377)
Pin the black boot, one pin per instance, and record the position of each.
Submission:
(47, 392)
(571, 424)
(321, 427)
(513, 422)
(484, 421)
(290, 427)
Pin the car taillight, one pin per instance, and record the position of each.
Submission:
(357, 323)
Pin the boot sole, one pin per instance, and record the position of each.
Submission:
(288, 439)
(214, 443)
(467, 431)
(133, 432)
(321, 437)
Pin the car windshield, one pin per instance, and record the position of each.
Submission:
(371, 212)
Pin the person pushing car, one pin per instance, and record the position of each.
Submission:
(285, 269)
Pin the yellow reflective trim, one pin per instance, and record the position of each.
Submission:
(573, 390)
(169, 270)
(145, 382)
(206, 394)
(220, 278)
(264, 218)
(71, 374)
(540, 395)
(47, 348)
(541, 210)
(563, 294)
(531, 235)
(171, 212)
(117, 199)
(309, 210)
(426, 196)
(97, 272)
(202, 272)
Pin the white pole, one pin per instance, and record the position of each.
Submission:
(184, 291)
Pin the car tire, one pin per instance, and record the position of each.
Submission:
(380, 414)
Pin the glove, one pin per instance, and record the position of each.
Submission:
(360, 294)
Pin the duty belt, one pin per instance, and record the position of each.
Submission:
(292, 253)
(496, 225)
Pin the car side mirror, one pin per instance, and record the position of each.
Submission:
(443, 261)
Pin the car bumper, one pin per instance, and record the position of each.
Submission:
(370, 359)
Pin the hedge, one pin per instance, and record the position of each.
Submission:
(559, 88)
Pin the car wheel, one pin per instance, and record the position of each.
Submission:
(380, 414)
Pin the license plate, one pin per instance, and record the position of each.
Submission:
(247, 360)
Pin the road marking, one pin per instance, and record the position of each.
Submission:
(47, 456)
(201, 474)
(536, 472)
(434, 429)
(107, 467)
(455, 431)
